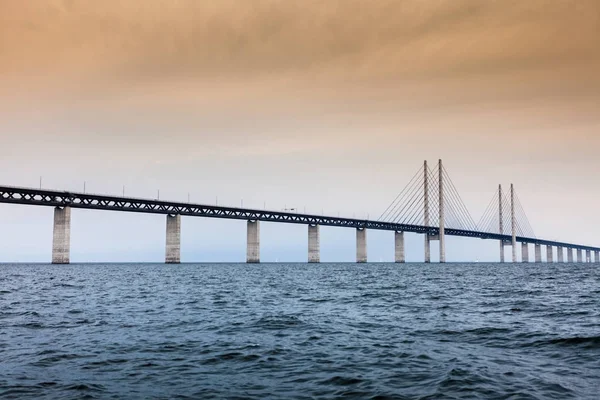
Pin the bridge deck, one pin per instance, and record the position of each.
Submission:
(54, 198)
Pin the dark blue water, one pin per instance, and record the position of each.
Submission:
(301, 331)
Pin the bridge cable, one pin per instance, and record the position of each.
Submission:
(486, 220)
(455, 199)
(460, 206)
(410, 209)
(408, 193)
(415, 195)
(455, 207)
(395, 203)
(483, 222)
(399, 211)
(467, 220)
(528, 226)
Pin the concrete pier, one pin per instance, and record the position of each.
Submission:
(538, 253)
(579, 256)
(314, 244)
(426, 211)
(549, 254)
(399, 255)
(361, 245)
(442, 231)
(427, 248)
(524, 252)
(513, 223)
(253, 242)
(501, 222)
(570, 255)
(588, 256)
(514, 250)
(560, 254)
(597, 257)
(173, 243)
(61, 237)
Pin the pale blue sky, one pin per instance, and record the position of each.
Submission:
(320, 106)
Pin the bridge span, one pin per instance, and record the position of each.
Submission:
(64, 201)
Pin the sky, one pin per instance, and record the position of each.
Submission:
(328, 106)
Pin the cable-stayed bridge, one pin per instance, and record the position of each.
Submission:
(429, 204)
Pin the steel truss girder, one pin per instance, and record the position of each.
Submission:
(51, 198)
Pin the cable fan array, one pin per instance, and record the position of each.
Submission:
(410, 206)
(501, 205)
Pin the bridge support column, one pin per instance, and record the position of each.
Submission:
(579, 256)
(538, 253)
(588, 256)
(61, 237)
(513, 223)
(501, 222)
(442, 246)
(253, 242)
(399, 255)
(524, 252)
(426, 211)
(597, 257)
(173, 245)
(570, 255)
(314, 243)
(442, 232)
(361, 245)
(560, 254)
(549, 254)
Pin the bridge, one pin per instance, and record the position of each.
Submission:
(429, 205)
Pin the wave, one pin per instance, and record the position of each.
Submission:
(86, 387)
(278, 322)
(591, 342)
(342, 381)
(231, 357)
(68, 285)
(475, 331)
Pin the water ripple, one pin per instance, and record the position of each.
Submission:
(374, 331)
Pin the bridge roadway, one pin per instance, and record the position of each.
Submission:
(62, 199)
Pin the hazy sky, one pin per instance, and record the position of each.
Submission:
(329, 105)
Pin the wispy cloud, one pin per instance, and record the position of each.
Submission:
(348, 39)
